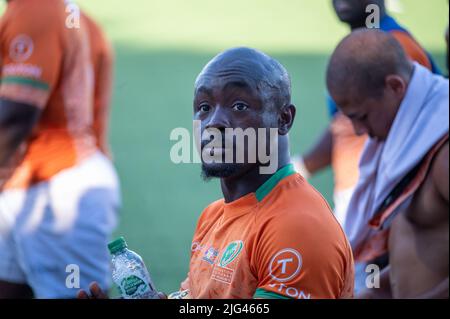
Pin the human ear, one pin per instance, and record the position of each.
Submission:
(286, 119)
(396, 84)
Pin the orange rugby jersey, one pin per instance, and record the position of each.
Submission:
(45, 62)
(347, 146)
(280, 242)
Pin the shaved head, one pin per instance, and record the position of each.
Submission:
(243, 88)
(258, 70)
(368, 76)
(363, 60)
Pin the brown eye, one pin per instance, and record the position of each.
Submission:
(240, 107)
(362, 118)
(204, 108)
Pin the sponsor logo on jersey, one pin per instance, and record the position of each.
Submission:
(285, 265)
(211, 255)
(223, 271)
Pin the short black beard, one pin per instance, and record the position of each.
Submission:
(219, 171)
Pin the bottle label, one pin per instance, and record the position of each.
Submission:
(134, 286)
(179, 295)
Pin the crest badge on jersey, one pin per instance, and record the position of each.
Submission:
(223, 271)
(21, 48)
(231, 252)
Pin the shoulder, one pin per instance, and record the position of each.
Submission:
(298, 214)
(213, 207)
(295, 199)
(98, 39)
(33, 20)
(210, 214)
(300, 230)
(36, 13)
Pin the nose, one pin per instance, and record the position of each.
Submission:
(218, 119)
(360, 129)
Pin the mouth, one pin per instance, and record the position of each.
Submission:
(215, 151)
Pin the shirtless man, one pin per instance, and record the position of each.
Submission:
(401, 203)
(338, 146)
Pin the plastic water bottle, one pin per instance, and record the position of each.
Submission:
(129, 272)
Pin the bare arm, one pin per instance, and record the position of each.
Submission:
(319, 156)
(438, 292)
(441, 182)
(384, 292)
(441, 173)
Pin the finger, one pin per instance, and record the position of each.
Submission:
(97, 292)
(82, 295)
(162, 295)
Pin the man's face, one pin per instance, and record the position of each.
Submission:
(369, 115)
(350, 11)
(229, 100)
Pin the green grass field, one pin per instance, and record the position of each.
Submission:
(160, 48)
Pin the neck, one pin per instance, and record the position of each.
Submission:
(362, 23)
(248, 182)
(357, 25)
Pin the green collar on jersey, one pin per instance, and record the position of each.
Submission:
(265, 294)
(270, 184)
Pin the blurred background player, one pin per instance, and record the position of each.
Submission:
(103, 65)
(339, 146)
(60, 194)
(400, 205)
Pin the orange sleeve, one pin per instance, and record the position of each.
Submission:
(413, 50)
(293, 261)
(32, 53)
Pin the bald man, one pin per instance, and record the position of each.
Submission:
(400, 205)
(261, 239)
(338, 146)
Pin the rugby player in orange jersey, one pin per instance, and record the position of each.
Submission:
(102, 58)
(59, 201)
(272, 235)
